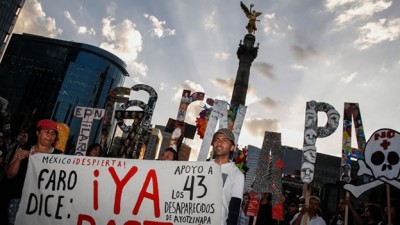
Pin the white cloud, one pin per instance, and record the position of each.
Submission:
(84, 30)
(126, 45)
(32, 19)
(257, 127)
(271, 26)
(349, 78)
(225, 85)
(333, 4)
(108, 30)
(299, 67)
(222, 55)
(191, 85)
(349, 11)
(79, 29)
(209, 22)
(187, 85)
(377, 32)
(158, 30)
(138, 67)
(69, 17)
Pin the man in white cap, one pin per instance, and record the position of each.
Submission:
(223, 144)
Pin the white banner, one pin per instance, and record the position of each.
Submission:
(62, 189)
(87, 115)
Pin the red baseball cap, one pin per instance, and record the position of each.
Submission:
(47, 125)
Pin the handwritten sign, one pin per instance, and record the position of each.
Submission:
(87, 115)
(63, 189)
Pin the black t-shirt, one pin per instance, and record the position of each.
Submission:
(264, 215)
(339, 220)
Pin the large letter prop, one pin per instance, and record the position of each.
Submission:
(268, 177)
(178, 127)
(139, 132)
(116, 95)
(381, 161)
(220, 113)
(62, 189)
(87, 115)
(312, 132)
(127, 145)
(186, 100)
(351, 113)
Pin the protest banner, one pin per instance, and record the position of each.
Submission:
(88, 115)
(380, 162)
(62, 189)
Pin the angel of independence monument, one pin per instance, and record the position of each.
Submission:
(233, 120)
(246, 53)
(268, 177)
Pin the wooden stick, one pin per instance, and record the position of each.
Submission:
(346, 209)
(389, 205)
(259, 203)
(254, 220)
(306, 194)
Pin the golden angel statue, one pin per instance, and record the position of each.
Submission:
(252, 15)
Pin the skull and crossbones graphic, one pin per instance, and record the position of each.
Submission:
(382, 161)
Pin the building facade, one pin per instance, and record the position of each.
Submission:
(153, 145)
(9, 11)
(47, 78)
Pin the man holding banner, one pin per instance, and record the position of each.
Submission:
(223, 144)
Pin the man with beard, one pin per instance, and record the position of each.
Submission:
(223, 144)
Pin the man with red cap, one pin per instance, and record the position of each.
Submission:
(223, 144)
(46, 131)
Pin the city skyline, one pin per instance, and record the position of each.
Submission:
(332, 52)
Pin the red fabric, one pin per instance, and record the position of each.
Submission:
(254, 203)
(277, 211)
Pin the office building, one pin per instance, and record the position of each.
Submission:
(153, 145)
(9, 11)
(47, 78)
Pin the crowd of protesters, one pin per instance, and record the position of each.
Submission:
(14, 160)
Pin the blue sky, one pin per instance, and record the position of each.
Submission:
(328, 51)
